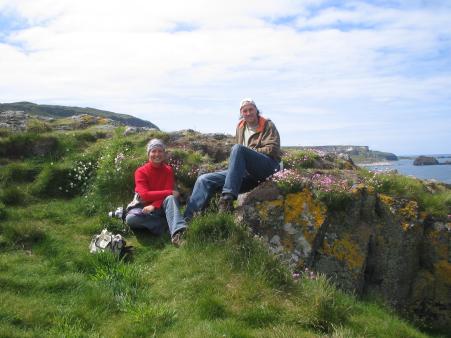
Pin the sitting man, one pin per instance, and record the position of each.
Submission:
(255, 157)
(155, 206)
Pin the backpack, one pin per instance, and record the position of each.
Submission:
(107, 241)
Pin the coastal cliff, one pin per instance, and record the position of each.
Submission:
(369, 244)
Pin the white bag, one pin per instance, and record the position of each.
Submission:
(106, 241)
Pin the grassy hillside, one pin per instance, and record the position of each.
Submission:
(222, 283)
(65, 111)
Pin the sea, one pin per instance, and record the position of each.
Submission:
(405, 166)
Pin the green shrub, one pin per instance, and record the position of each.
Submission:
(185, 164)
(92, 136)
(38, 126)
(437, 204)
(114, 182)
(335, 200)
(22, 234)
(3, 211)
(53, 181)
(5, 132)
(13, 195)
(301, 159)
(19, 172)
(30, 144)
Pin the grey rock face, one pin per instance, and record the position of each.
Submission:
(14, 120)
(134, 130)
(377, 244)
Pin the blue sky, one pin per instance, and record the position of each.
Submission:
(374, 73)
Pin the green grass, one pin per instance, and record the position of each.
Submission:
(437, 204)
(222, 282)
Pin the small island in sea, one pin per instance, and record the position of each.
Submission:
(428, 160)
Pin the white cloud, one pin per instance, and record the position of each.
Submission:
(187, 64)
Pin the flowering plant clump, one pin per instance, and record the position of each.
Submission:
(329, 183)
(184, 172)
(115, 173)
(79, 177)
(288, 180)
(375, 180)
(186, 165)
(302, 159)
(333, 191)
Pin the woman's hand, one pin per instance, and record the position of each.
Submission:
(175, 193)
(148, 209)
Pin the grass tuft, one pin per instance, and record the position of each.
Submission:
(210, 228)
(22, 235)
(211, 308)
(13, 195)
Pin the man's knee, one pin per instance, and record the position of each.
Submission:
(237, 148)
(203, 179)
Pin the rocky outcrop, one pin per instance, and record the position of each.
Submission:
(215, 146)
(425, 160)
(134, 130)
(14, 120)
(85, 120)
(358, 153)
(61, 112)
(377, 244)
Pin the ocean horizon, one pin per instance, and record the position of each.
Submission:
(405, 166)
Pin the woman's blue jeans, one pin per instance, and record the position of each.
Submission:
(245, 165)
(157, 222)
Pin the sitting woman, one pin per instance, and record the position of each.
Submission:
(155, 205)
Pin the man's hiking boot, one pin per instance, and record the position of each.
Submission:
(178, 240)
(225, 204)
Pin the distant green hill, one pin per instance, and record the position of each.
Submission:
(359, 154)
(54, 111)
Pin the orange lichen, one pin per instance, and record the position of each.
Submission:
(410, 210)
(358, 188)
(405, 226)
(346, 251)
(302, 209)
(388, 200)
(264, 208)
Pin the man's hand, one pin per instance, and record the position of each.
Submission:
(148, 209)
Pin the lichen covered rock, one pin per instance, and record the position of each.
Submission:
(376, 244)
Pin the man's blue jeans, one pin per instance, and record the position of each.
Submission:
(158, 221)
(245, 165)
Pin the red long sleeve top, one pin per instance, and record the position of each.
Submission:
(154, 184)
